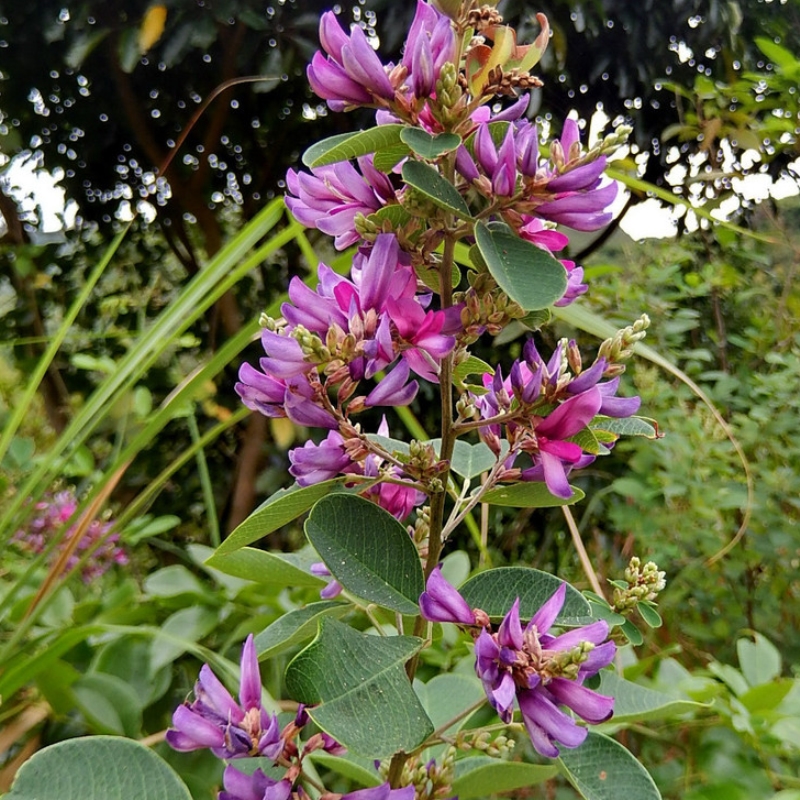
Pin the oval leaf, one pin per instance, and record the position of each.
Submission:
(529, 494)
(284, 506)
(602, 769)
(296, 627)
(360, 689)
(345, 146)
(439, 191)
(427, 146)
(527, 274)
(496, 589)
(273, 568)
(484, 776)
(97, 768)
(368, 551)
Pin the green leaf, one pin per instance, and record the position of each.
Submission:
(437, 189)
(631, 633)
(634, 703)
(109, 704)
(730, 676)
(387, 158)
(471, 366)
(359, 681)
(629, 426)
(602, 769)
(173, 581)
(356, 768)
(284, 506)
(529, 494)
(526, 273)
(767, 696)
(272, 568)
(182, 629)
(296, 627)
(484, 776)
(446, 696)
(97, 768)
(777, 54)
(368, 551)
(649, 614)
(496, 589)
(469, 460)
(427, 146)
(394, 214)
(760, 660)
(345, 146)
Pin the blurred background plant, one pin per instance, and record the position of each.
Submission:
(124, 309)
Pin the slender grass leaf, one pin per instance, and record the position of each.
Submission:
(602, 769)
(97, 768)
(345, 146)
(529, 494)
(496, 589)
(428, 146)
(526, 273)
(360, 690)
(296, 627)
(437, 189)
(368, 551)
(484, 776)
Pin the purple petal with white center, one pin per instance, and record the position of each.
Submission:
(588, 705)
(441, 602)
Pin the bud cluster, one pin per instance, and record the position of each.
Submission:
(642, 585)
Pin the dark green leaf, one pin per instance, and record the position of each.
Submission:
(526, 273)
(296, 627)
(484, 776)
(602, 769)
(271, 568)
(632, 633)
(634, 703)
(427, 146)
(284, 506)
(345, 146)
(97, 768)
(394, 214)
(360, 690)
(529, 494)
(356, 768)
(368, 551)
(387, 158)
(437, 189)
(496, 589)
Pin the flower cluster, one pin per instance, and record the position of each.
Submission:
(541, 670)
(53, 513)
(540, 406)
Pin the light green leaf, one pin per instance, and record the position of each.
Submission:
(649, 614)
(437, 189)
(634, 703)
(777, 54)
(602, 769)
(97, 768)
(296, 627)
(471, 366)
(173, 581)
(484, 776)
(767, 696)
(632, 633)
(496, 589)
(345, 146)
(182, 629)
(629, 426)
(360, 690)
(529, 494)
(759, 660)
(446, 696)
(427, 146)
(356, 768)
(109, 704)
(387, 158)
(368, 551)
(730, 676)
(394, 214)
(469, 460)
(526, 273)
(284, 506)
(271, 568)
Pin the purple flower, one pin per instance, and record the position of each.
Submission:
(351, 74)
(541, 670)
(441, 602)
(330, 197)
(333, 587)
(257, 786)
(215, 720)
(431, 42)
(382, 792)
(52, 514)
(313, 463)
(575, 285)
